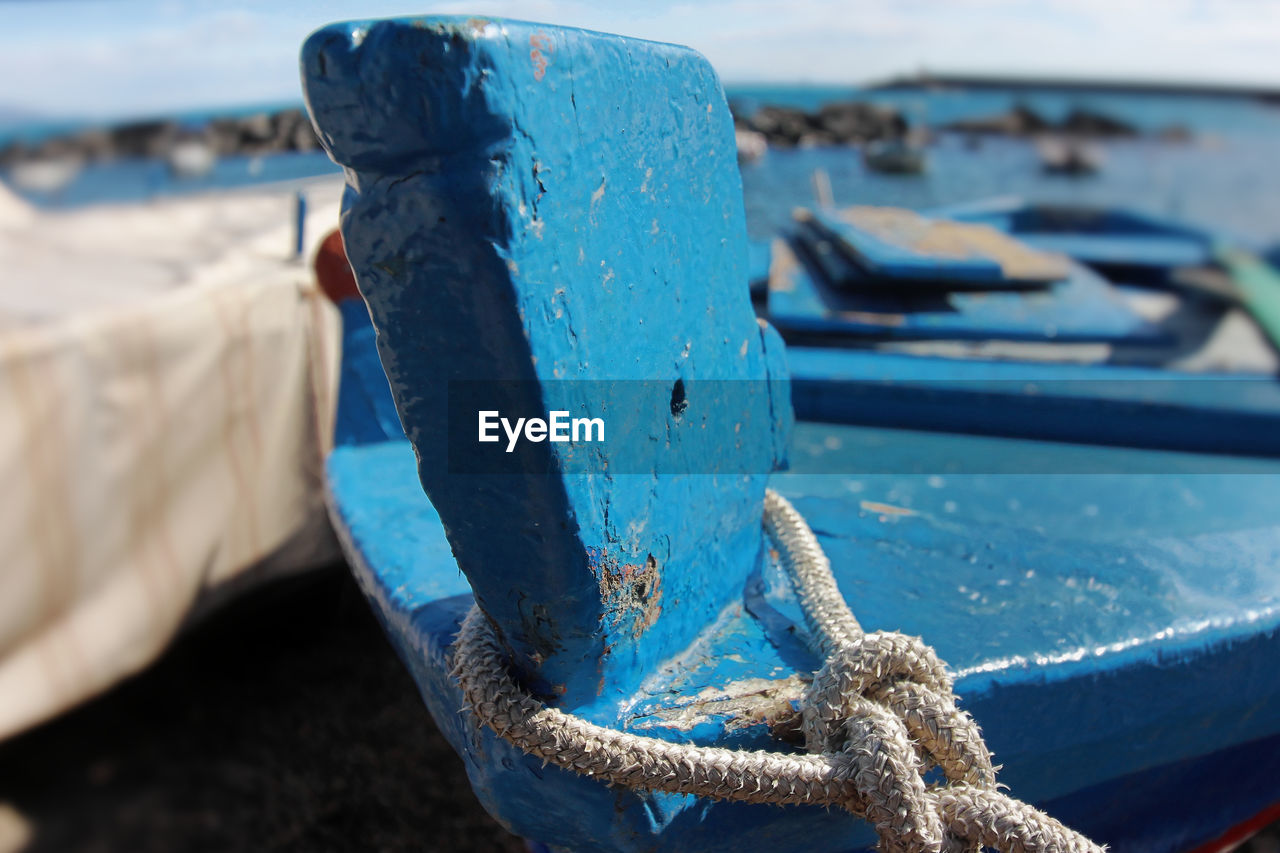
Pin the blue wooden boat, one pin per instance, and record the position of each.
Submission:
(997, 318)
(863, 272)
(1128, 246)
(1138, 250)
(546, 219)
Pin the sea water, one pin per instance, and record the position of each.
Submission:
(1226, 178)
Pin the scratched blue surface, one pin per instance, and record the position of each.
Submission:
(1088, 598)
(1084, 307)
(492, 167)
(1067, 604)
(1108, 631)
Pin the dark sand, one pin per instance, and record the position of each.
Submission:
(284, 722)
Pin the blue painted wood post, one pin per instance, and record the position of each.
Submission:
(299, 223)
(556, 210)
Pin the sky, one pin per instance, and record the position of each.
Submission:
(112, 58)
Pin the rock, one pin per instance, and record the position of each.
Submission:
(1022, 120)
(283, 125)
(1084, 122)
(1028, 120)
(13, 153)
(292, 132)
(142, 139)
(261, 133)
(844, 122)
(224, 136)
(256, 130)
(782, 126)
(861, 122)
(834, 124)
(304, 137)
(94, 144)
(56, 147)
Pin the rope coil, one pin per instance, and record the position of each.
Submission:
(879, 714)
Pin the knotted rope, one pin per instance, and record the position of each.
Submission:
(878, 715)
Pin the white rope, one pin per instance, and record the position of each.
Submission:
(878, 715)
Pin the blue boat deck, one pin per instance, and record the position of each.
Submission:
(1064, 603)
(1065, 584)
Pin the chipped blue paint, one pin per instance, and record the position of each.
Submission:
(1058, 682)
(492, 167)
(1111, 633)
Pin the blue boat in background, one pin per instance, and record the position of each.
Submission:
(542, 218)
(1121, 244)
(871, 271)
(1024, 321)
(1146, 251)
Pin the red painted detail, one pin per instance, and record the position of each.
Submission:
(1238, 834)
(333, 270)
(540, 45)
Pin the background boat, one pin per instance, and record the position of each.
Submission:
(896, 157)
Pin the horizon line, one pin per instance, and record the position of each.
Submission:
(922, 78)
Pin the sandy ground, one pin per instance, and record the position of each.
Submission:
(284, 722)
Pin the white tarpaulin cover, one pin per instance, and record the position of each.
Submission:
(167, 383)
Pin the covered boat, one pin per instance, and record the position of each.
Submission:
(167, 379)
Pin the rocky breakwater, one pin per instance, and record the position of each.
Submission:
(188, 147)
(834, 124)
(1079, 123)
